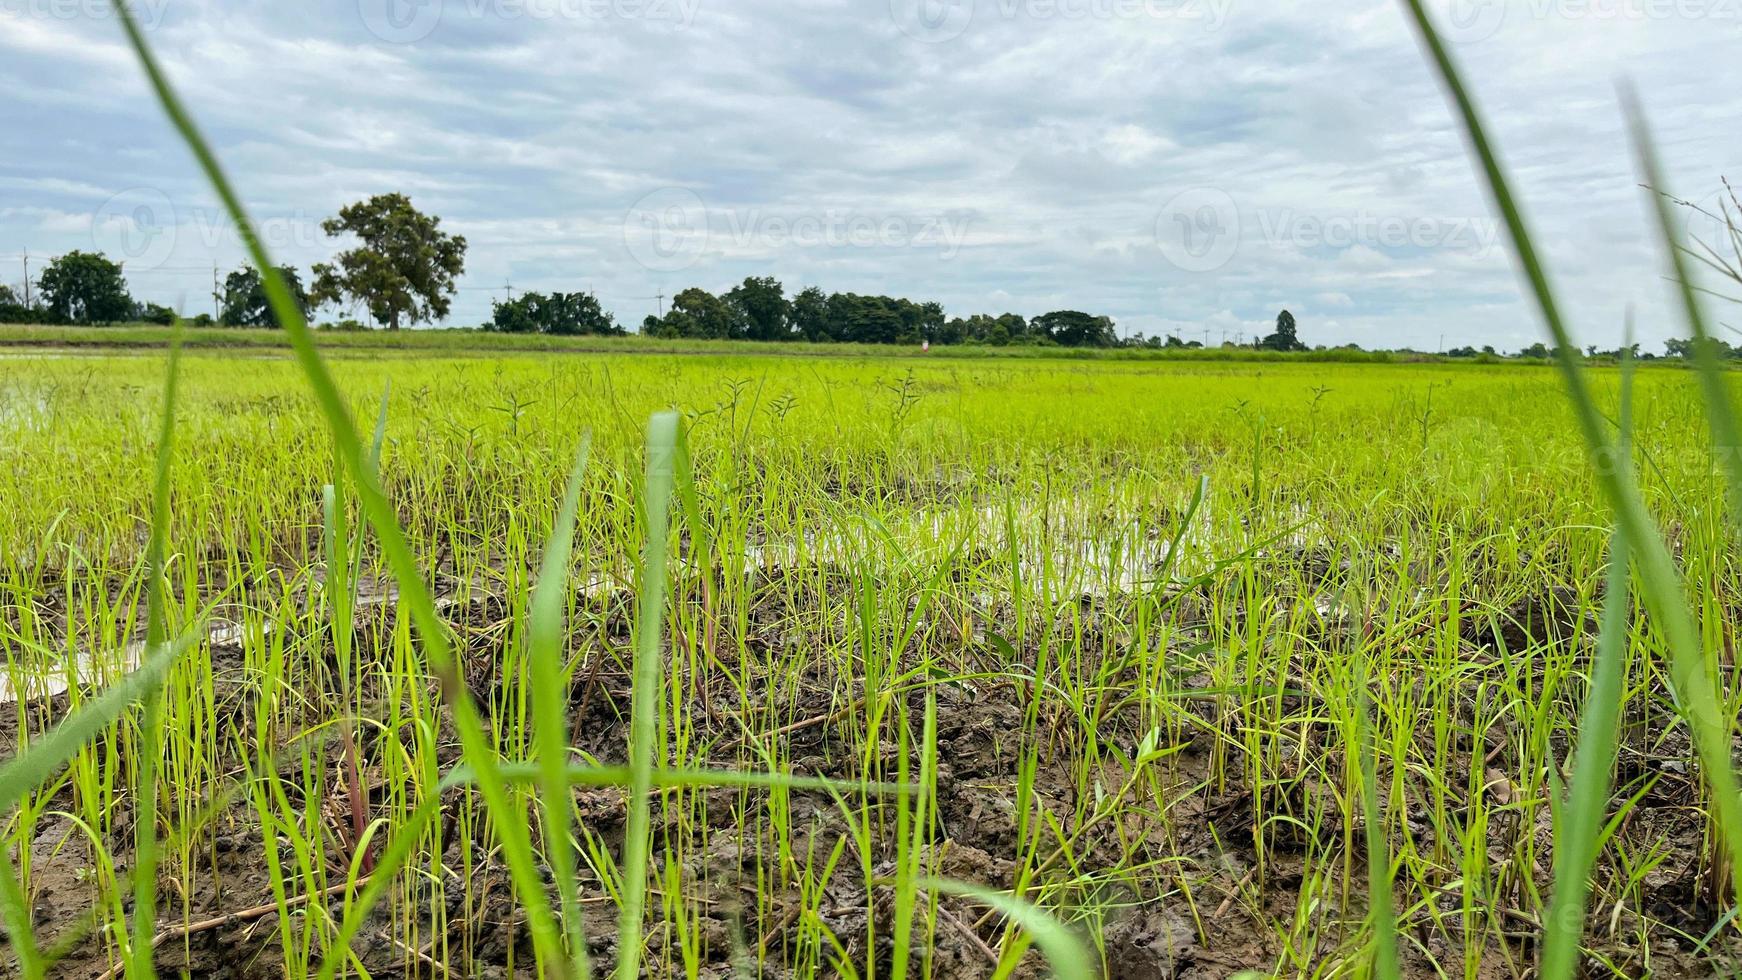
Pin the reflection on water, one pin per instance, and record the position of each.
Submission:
(1069, 545)
(89, 668)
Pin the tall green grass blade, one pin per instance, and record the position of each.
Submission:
(335, 535)
(375, 445)
(151, 725)
(508, 820)
(550, 696)
(20, 925)
(1576, 845)
(1660, 581)
(1594, 760)
(1379, 909)
(702, 548)
(643, 729)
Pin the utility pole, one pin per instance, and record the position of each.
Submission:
(217, 314)
(27, 278)
(508, 290)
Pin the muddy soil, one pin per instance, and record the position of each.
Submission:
(1210, 915)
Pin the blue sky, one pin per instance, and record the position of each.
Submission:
(1188, 166)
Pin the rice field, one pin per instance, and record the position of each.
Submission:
(1096, 636)
(712, 664)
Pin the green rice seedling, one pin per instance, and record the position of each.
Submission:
(1379, 861)
(1579, 830)
(550, 700)
(152, 724)
(643, 753)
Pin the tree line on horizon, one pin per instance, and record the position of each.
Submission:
(404, 267)
(759, 309)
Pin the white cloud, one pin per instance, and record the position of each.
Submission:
(1054, 145)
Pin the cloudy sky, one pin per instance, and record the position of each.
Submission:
(1190, 166)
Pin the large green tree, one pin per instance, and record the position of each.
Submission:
(85, 287)
(981, 328)
(1071, 328)
(860, 319)
(243, 303)
(556, 313)
(1285, 338)
(695, 312)
(810, 315)
(762, 306)
(404, 268)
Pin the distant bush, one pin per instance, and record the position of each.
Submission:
(35, 316)
(566, 314)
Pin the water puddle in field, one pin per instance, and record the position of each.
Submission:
(93, 669)
(1069, 546)
(41, 673)
(46, 354)
(24, 411)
